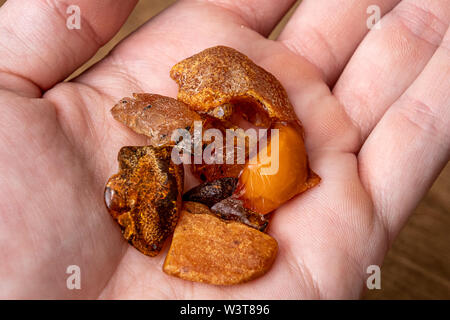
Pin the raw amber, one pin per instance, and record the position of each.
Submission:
(214, 171)
(232, 208)
(145, 196)
(208, 249)
(220, 76)
(209, 193)
(155, 116)
(271, 180)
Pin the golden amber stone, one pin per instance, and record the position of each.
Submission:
(221, 76)
(269, 181)
(145, 196)
(208, 249)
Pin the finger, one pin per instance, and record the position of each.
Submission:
(260, 15)
(389, 59)
(326, 32)
(37, 46)
(411, 144)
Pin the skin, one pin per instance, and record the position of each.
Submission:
(375, 107)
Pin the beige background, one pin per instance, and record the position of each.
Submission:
(418, 265)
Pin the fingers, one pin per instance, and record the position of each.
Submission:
(389, 59)
(37, 46)
(326, 32)
(141, 63)
(260, 15)
(411, 144)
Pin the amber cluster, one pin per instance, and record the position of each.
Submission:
(219, 231)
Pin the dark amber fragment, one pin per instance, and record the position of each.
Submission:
(233, 209)
(220, 76)
(145, 196)
(155, 116)
(208, 249)
(209, 193)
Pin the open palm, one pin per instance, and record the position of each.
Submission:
(378, 139)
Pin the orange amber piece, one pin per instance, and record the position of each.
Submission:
(273, 179)
(208, 249)
(214, 79)
(155, 116)
(145, 196)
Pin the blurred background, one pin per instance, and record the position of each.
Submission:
(418, 264)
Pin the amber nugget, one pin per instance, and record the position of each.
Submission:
(220, 76)
(145, 196)
(208, 249)
(155, 116)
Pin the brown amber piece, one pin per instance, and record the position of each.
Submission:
(233, 209)
(155, 116)
(209, 193)
(145, 196)
(214, 171)
(208, 249)
(219, 76)
(290, 174)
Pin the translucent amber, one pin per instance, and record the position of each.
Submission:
(262, 192)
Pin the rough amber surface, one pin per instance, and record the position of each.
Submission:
(221, 75)
(155, 116)
(264, 193)
(145, 196)
(208, 249)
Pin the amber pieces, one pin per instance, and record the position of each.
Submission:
(220, 76)
(214, 171)
(270, 181)
(208, 249)
(209, 193)
(155, 116)
(217, 196)
(145, 196)
(233, 209)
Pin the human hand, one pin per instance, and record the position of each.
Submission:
(378, 139)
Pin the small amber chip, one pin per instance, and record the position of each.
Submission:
(155, 116)
(208, 249)
(145, 196)
(220, 76)
(210, 193)
(233, 209)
